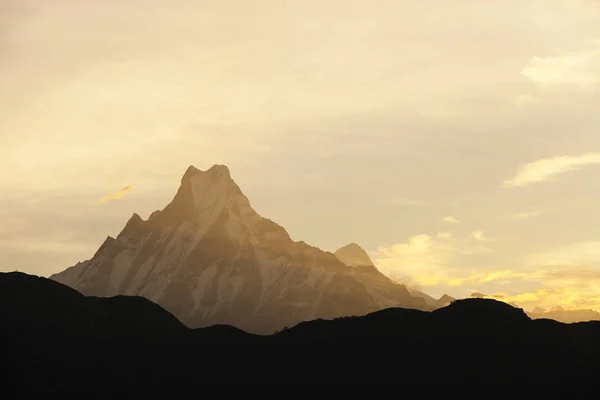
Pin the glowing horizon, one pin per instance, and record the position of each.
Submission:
(458, 145)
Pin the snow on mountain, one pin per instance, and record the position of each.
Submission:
(210, 259)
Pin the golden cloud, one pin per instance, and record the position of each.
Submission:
(115, 196)
(567, 298)
(547, 168)
(427, 260)
(451, 220)
(480, 237)
(579, 68)
(436, 262)
(569, 288)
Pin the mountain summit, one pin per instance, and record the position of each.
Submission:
(354, 256)
(210, 259)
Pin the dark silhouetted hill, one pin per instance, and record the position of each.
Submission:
(58, 343)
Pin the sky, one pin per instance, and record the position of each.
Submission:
(457, 142)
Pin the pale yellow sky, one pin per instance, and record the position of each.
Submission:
(458, 142)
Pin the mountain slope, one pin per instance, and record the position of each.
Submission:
(210, 259)
(379, 285)
(431, 301)
(355, 256)
(65, 345)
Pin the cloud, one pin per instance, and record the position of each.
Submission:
(422, 259)
(579, 68)
(115, 196)
(525, 100)
(438, 265)
(426, 260)
(479, 236)
(551, 294)
(567, 276)
(545, 169)
(524, 215)
(451, 220)
(574, 283)
(569, 288)
(575, 255)
(488, 277)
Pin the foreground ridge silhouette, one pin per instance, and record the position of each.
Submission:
(59, 343)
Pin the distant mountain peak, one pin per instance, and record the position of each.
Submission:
(354, 256)
(445, 299)
(478, 295)
(353, 245)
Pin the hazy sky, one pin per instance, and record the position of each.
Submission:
(457, 141)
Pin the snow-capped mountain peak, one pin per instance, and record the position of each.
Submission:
(209, 258)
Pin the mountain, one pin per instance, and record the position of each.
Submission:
(445, 300)
(565, 315)
(478, 295)
(364, 270)
(354, 256)
(431, 301)
(209, 259)
(61, 344)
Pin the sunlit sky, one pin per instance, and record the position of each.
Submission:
(457, 141)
